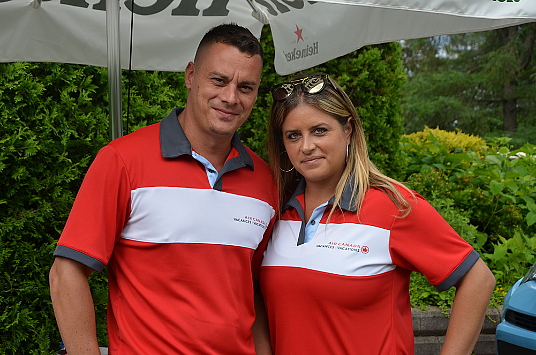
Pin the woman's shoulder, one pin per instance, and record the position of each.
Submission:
(382, 193)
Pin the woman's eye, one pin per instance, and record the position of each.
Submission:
(320, 130)
(292, 136)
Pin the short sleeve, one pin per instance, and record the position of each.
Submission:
(99, 213)
(424, 242)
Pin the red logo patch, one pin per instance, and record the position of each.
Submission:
(298, 33)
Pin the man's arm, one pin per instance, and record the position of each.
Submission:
(473, 293)
(73, 306)
(261, 332)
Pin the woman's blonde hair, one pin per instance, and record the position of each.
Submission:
(360, 173)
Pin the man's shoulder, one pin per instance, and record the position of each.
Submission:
(258, 180)
(139, 139)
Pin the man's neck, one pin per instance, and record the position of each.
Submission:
(213, 147)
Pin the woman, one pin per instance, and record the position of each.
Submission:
(335, 276)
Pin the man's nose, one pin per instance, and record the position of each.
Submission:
(229, 94)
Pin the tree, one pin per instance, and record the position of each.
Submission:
(478, 82)
(507, 65)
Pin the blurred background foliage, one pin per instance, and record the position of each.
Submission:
(483, 83)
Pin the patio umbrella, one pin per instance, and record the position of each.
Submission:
(165, 33)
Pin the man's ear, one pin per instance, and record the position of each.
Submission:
(188, 75)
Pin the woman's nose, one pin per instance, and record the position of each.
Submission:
(308, 145)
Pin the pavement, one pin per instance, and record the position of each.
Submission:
(430, 327)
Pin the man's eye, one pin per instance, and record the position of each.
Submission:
(246, 88)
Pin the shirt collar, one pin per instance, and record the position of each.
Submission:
(174, 143)
(345, 202)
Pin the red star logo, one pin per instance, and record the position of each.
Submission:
(298, 33)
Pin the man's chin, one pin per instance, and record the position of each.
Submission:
(222, 132)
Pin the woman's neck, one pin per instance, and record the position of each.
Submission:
(315, 196)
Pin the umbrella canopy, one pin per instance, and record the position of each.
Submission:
(166, 32)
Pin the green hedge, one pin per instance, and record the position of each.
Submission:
(54, 119)
(487, 193)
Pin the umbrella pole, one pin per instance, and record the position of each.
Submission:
(114, 68)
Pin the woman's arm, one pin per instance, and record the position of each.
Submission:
(473, 293)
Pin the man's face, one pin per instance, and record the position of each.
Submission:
(223, 86)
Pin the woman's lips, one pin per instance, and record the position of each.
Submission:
(311, 160)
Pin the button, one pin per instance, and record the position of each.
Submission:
(313, 222)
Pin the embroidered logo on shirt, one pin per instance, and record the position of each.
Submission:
(252, 220)
(356, 248)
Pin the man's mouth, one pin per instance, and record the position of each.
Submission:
(229, 115)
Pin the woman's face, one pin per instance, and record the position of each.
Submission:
(316, 145)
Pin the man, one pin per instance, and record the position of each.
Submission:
(180, 213)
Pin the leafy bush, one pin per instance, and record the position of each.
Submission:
(486, 193)
(511, 257)
(454, 142)
(47, 132)
(53, 120)
(495, 185)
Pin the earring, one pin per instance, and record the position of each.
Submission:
(347, 152)
(283, 170)
(286, 171)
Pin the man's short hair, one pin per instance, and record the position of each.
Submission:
(233, 35)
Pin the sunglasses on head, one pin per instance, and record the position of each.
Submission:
(309, 85)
